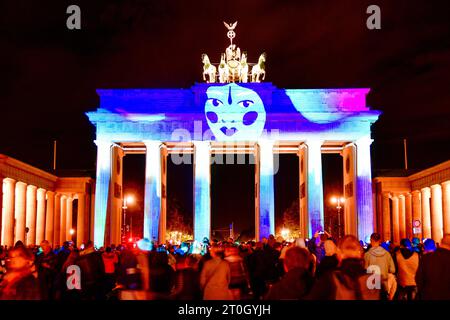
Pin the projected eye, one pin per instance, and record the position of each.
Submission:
(215, 102)
(245, 103)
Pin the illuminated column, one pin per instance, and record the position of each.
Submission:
(350, 205)
(102, 191)
(364, 187)
(401, 216)
(408, 216)
(152, 203)
(19, 210)
(56, 221)
(417, 211)
(386, 217)
(303, 180)
(63, 230)
(115, 198)
(266, 191)
(40, 215)
(9, 189)
(202, 182)
(30, 221)
(314, 186)
(446, 205)
(46, 216)
(436, 213)
(395, 220)
(81, 219)
(426, 217)
(69, 211)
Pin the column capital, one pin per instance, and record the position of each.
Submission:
(435, 186)
(425, 190)
(415, 192)
(386, 194)
(445, 184)
(21, 184)
(366, 140)
(32, 187)
(9, 180)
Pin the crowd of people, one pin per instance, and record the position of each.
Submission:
(321, 268)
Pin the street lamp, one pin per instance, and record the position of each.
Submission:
(127, 200)
(338, 201)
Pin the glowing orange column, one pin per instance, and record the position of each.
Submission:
(48, 212)
(395, 219)
(436, 213)
(63, 215)
(31, 214)
(57, 221)
(20, 210)
(408, 216)
(69, 208)
(402, 216)
(40, 220)
(446, 205)
(426, 216)
(9, 190)
(386, 216)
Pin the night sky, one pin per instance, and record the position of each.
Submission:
(49, 73)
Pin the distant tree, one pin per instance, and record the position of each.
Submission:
(178, 219)
(291, 218)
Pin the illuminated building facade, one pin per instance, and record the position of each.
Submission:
(240, 118)
(37, 205)
(416, 205)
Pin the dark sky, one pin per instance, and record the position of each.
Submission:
(49, 73)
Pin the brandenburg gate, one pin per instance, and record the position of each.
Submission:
(233, 112)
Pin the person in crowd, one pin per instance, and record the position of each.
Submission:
(215, 277)
(433, 276)
(128, 275)
(46, 268)
(297, 281)
(383, 259)
(187, 283)
(239, 281)
(19, 283)
(329, 261)
(162, 276)
(349, 281)
(92, 273)
(110, 261)
(407, 261)
(63, 292)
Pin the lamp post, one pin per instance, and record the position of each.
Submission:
(127, 200)
(338, 201)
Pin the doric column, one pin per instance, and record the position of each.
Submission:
(69, 212)
(46, 207)
(19, 210)
(417, 211)
(303, 181)
(386, 217)
(436, 213)
(350, 206)
(102, 190)
(202, 193)
(408, 216)
(152, 201)
(364, 187)
(446, 205)
(63, 235)
(314, 186)
(401, 216)
(426, 215)
(40, 216)
(115, 198)
(81, 219)
(30, 221)
(9, 190)
(57, 221)
(266, 189)
(395, 219)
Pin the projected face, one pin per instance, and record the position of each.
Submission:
(234, 113)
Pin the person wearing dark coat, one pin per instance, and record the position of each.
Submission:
(433, 276)
(46, 268)
(297, 281)
(349, 281)
(92, 273)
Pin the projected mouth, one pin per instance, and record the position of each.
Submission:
(228, 131)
